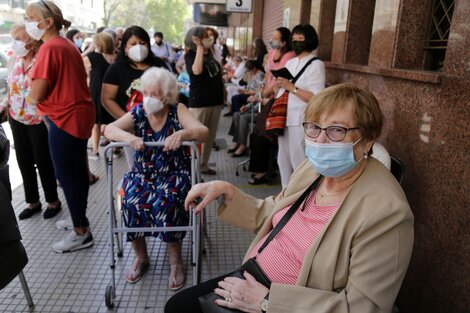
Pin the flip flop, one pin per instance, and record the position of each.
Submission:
(172, 283)
(137, 271)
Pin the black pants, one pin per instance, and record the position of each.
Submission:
(32, 150)
(186, 301)
(261, 153)
(71, 169)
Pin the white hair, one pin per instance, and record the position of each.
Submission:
(163, 80)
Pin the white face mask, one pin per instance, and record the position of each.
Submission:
(33, 30)
(19, 49)
(138, 53)
(152, 105)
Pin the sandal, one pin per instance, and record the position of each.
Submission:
(137, 270)
(173, 282)
(92, 179)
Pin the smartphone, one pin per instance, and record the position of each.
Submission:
(282, 72)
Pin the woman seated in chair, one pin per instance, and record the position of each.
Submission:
(346, 244)
(159, 180)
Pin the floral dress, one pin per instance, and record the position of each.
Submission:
(157, 185)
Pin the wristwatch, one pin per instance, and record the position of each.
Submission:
(264, 303)
(295, 90)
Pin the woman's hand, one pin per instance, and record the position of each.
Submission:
(137, 143)
(173, 142)
(282, 82)
(197, 41)
(201, 195)
(244, 295)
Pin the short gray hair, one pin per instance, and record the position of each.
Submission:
(197, 31)
(162, 80)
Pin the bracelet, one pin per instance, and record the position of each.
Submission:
(295, 90)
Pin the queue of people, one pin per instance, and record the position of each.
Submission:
(324, 158)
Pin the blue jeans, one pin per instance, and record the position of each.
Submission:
(71, 169)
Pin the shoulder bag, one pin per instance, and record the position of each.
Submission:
(277, 116)
(251, 266)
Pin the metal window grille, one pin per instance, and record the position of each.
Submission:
(438, 34)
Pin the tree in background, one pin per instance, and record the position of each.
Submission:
(109, 6)
(166, 16)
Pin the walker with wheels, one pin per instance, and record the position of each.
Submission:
(194, 228)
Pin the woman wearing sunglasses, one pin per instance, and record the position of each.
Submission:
(345, 248)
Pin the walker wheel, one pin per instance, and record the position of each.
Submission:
(108, 297)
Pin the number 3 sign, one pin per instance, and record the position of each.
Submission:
(239, 6)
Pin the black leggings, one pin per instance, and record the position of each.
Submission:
(186, 301)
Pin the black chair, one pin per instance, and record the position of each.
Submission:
(397, 168)
(10, 241)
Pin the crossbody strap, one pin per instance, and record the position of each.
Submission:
(303, 69)
(289, 213)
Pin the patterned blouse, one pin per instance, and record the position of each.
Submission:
(20, 83)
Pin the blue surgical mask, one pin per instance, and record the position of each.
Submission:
(331, 159)
(78, 42)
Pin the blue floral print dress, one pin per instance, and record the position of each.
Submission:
(157, 185)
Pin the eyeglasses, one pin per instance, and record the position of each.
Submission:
(334, 133)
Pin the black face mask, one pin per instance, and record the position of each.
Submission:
(298, 46)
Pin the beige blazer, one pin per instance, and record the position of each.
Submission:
(358, 261)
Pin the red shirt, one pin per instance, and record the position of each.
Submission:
(67, 102)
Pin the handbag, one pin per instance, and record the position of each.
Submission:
(251, 266)
(277, 116)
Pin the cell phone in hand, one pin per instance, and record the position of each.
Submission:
(282, 72)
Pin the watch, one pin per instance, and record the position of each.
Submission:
(264, 304)
(295, 90)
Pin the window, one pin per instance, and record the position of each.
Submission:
(438, 34)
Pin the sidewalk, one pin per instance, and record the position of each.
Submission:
(76, 282)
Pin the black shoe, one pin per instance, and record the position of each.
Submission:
(232, 150)
(228, 114)
(238, 155)
(258, 180)
(215, 146)
(28, 212)
(51, 212)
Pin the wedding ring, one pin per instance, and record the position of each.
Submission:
(229, 298)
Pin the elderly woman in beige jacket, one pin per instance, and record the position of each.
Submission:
(356, 260)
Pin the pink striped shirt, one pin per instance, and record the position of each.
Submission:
(282, 258)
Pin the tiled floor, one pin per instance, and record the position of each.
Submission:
(76, 282)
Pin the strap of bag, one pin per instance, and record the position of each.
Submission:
(289, 213)
(303, 69)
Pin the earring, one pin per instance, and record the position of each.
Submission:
(365, 156)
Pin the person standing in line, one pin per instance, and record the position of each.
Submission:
(262, 147)
(164, 51)
(75, 36)
(121, 89)
(96, 64)
(28, 128)
(304, 42)
(206, 90)
(68, 111)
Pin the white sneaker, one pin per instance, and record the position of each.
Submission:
(94, 156)
(73, 242)
(65, 224)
